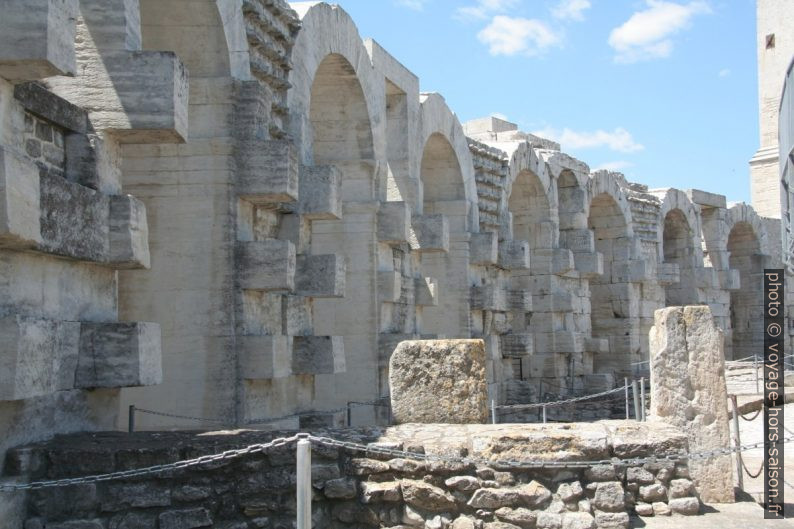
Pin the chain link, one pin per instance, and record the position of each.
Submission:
(310, 413)
(175, 416)
(754, 416)
(536, 405)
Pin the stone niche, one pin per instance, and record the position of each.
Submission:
(689, 392)
(439, 381)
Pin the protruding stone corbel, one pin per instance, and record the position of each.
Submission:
(429, 233)
(318, 355)
(484, 248)
(320, 276)
(320, 192)
(394, 222)
(265, 357)
(267, 265)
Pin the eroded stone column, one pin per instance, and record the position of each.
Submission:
(688, 391)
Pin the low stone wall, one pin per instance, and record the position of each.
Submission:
(365, 489)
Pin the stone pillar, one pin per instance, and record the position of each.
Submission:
(688, 391)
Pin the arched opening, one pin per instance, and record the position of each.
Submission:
(678, 248)
(531, 211)
(442, 181)
(341, 135)
(341, 131)
(746, 302)
(613, 299)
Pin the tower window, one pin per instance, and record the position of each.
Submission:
(770, 41)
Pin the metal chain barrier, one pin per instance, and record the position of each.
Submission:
(537, 405)
(372, 449)
(157, 469)
(752, 476)
(753, 417)
(175, 416)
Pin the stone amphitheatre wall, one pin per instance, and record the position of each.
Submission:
(235, 209)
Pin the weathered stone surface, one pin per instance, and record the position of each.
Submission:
(265, 357)
(569, 492)
(114, 355)
(609, 497)
(652, 493)
(427, 497)
(129, 233)
(120, 497)
(429, 233)
(185, 519)
(320, 276)
(688, 383)
(439, 381)
(463, 483)
(267, 265)
(341, 488)
(532, 495)
(639, 475)
(320, 192)
(267, 172)
(644, 509)
(463, 522)
(578, 520)
(499, 525)
(37, 39)
(372, 492)
(548, 520)
(317, 355)
(681, 488)
(520, 516)
(19, 202)
(686, 506)
(612, 520)
(660, 508)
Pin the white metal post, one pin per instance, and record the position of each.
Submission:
(626, 391)
(493, 411)
(544, 414)
(642, 399)
(635, 395)
(304, 484)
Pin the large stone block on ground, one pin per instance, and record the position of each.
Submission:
(688, 385)
(439, 381)
(118, 355)
(37, 38)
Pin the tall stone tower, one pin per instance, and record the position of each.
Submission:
(775, 42)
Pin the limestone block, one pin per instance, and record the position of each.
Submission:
(267, 171)
(429, 233)
(668, 273)
(590, 264)
(706, 277)
(484, 248)
(266, 265)
(119, 355)
(558, 301)
(389, 286)
(706, 199)
(559, 342)
(720, 260)
(318, 355)
(37, 357)
(140, 96)
(439, 381)
(19, 202)
(488, 297)
(37, 38)
(320, 276)
(689, 392)
(426, 291)
(265, 357)
(519, 300)
(394, 222)
(36, 99)
(320, 192)
(596, 345)
(729, 279)
(75, 220)
(516, 345)
(578, 241)
(630, 271)
(563, 261)
(514, 255)
(129, 233)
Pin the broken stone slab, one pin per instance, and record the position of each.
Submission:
(439, 381)
(37, 356)
(119, 355)
(116, 102)
(394, 222)
(484, 248)
(20, 202)
(429, 233)
(689, 391)
(514, 255)
(267, 265)
(706, 199)
(320, 192)
(425, 292)
(265, 357)
(129, 233)
(37, 39)
(267, 171)
(320, 276)
(318, 355)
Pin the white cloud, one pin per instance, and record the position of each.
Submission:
(509, 36)
(619, 140)
(646, 34)
(570, 9)
(484, 8)
(617, 165)
(416, 5)
(725, 72)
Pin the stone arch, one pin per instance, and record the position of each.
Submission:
(744, 245)
(328, 31)
(571, 200)
(531, 200)
(614, 297)
(675, 199)
(444, 193)
(201, 36)
(438, 120)
(679, 244)
(606, 183)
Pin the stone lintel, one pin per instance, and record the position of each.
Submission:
(320, 276)
(267, 265)
(267, 172)
(484, 248)
(514, 255)
(320, 192)
(394, 222)
(429, 233)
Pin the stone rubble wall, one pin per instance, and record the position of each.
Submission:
(355, 489)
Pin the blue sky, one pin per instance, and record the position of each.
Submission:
(663, 91)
